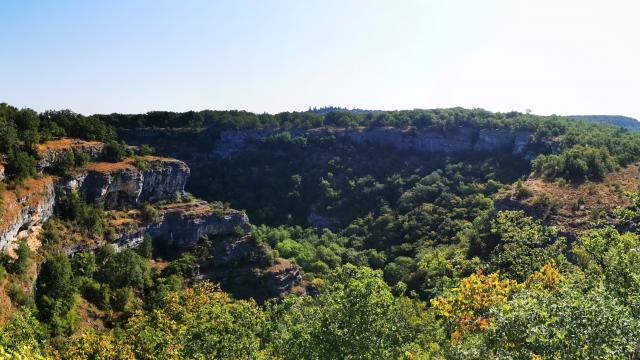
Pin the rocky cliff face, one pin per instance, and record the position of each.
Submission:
(50, 152)
(124, 184)
(243, 267)
(455, 140)
(193, 148)
(179, 225)
(240, 264)
(26, 208)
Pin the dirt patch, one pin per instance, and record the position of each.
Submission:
(576, 206)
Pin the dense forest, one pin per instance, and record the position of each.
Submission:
(404, 254)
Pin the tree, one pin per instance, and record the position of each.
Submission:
(20, 165)
(566, 323)
(611, 258)
(523, 245)
(199, 323)
(126, 268)
(55, 292)
(355, 316)
(22, 262)
(146, 247)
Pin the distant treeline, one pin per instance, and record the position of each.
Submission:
(432, 118)
(603, 147)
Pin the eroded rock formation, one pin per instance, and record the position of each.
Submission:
(51, 152)
(128, 184)
(26, 208)
(179, 225)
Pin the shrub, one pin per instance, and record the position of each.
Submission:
(149, 213)
(55, 291)
(146, 150)
(115, 151)
(21, 264)
(83, 263)
(17, 295)
(146, 247)
(126, 268)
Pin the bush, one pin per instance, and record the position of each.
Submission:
(146, 247)
(149, 213)
(115, 151)
(21, 264)
(17, 295)
(90, 218)
(20, 165)
(121, 298)
(83, 263)
(576, 164)
(146, 150)
(126, 268)
(95, 292)
(55, 291)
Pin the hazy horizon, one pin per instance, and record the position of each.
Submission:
(569, 58)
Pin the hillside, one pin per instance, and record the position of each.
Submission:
(617, 120)
(445, 233)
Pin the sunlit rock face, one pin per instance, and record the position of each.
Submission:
(52, 151)
(29, 206)
(117, 185)
(179, 225)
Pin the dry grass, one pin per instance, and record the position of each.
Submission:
(109, 167)
(30, 193)
(579, 205)
(279, 266)
(64, 144)
(89, 316)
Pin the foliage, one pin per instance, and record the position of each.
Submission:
(355, 315)
(146, 247)
(125, 268)
(55, 294)
(200, 322)
(578, 163)
(115, 151)
(523, 245)
(88, 218)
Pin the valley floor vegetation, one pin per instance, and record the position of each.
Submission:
(412, 256)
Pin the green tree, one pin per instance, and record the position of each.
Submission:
(523, 245)
(355, 316)
(198, 323)
(21, 264)
(55, 292)
(125, 268)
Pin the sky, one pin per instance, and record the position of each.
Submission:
(562, 57)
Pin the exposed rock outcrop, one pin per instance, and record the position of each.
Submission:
(51, 152)
(244, 267)
(26, 208)
(197, 145)
(460, 139)
(178, 226)
(126, 184)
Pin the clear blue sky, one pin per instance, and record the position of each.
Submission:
(564, 57)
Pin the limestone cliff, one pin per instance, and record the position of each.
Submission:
(179, 225)
(460, 139)
(26, 208)
(196, 146)
(128, 184)
(244, 267)
(50, 152)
